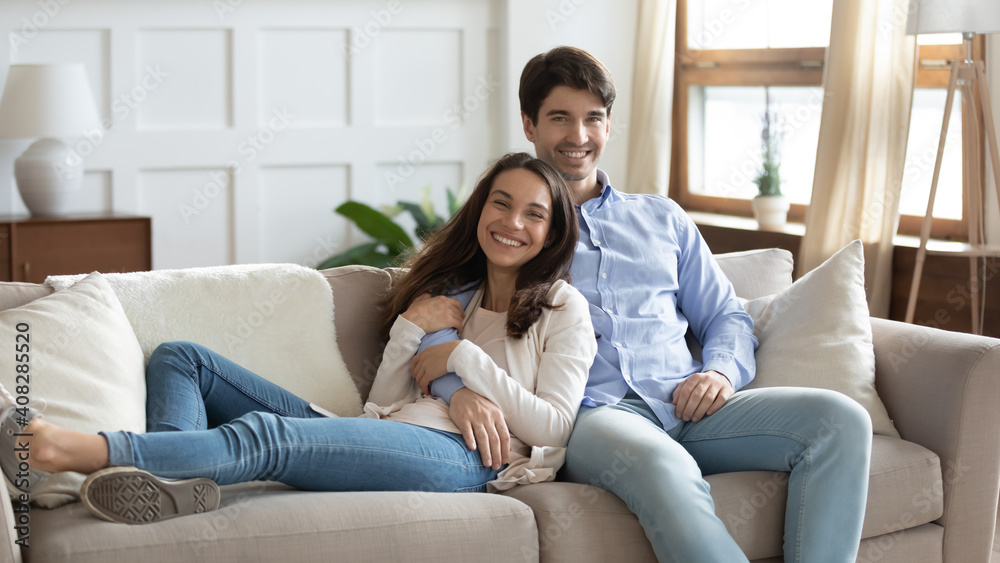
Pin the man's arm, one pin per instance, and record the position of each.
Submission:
(446, 385)
(719, 322)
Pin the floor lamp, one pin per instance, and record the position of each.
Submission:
(968, 17)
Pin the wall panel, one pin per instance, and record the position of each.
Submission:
(291, 107)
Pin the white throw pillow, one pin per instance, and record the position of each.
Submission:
(83, 360)
(817, 333)
(274, 319)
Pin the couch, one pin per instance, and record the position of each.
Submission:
(932, 497)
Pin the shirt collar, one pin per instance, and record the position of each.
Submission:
(607, 193)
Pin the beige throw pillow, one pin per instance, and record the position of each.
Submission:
(817, 333)
(83, 360)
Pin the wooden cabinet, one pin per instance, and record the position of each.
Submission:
(32, 248)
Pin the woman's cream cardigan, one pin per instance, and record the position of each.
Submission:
(539, 397)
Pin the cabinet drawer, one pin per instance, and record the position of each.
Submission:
(80, 247)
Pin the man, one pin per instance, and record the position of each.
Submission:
(650, 278)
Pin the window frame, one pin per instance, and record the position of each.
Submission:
(800, 67)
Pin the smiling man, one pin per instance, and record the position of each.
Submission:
(650, 279)
(672, 415)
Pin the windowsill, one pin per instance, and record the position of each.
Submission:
(741, 223)
(799, 229)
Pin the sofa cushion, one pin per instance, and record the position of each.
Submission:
(361, 290)
(901, 495)
(904, 492)
(273, 319)
(756, 273)
(82, 358)
(583, 523)
(817, 333)
(15, 294)
(271, 522)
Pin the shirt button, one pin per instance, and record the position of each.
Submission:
(618, 344)
(597, 243)
(604, 275)
(609, 311)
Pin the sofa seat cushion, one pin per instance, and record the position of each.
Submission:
(583, 523)
(270, 522)
(901, 494)
(904, 492)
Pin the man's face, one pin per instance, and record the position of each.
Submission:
(571, 132)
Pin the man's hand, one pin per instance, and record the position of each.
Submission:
(435, 313)
(431, 364)
(702, 394)
(483, 426)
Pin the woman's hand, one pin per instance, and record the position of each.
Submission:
(431, 364)
(432, 314)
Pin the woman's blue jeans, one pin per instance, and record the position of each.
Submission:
(822, 438)
(209, 417)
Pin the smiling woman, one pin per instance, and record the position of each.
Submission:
(513, 228)
(527, 348)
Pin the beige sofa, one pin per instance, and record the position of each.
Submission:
(933, 494)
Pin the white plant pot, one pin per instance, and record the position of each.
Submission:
(771, 212)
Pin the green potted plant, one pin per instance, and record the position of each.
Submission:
(770, 206)
(390, 242)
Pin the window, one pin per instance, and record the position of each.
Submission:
(738, 57)
(736, 60)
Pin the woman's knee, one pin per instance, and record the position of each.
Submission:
(176, 349)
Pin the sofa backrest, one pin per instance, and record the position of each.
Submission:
(756, 273)
(358, 291)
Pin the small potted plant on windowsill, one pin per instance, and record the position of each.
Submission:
(770, 207)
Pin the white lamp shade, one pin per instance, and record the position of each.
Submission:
(51, 100)
(953, 16)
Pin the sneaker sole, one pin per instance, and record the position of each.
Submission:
(132, 496)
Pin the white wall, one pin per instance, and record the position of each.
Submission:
(239, 125)
(606, 29)
(240, 130)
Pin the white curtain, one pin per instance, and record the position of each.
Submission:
(649, 132)
(868, 90)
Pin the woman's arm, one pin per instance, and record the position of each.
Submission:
(392, 381)
(424, 315)
(545, 415)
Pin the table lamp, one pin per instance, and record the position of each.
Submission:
(967, 17)
(47, 102)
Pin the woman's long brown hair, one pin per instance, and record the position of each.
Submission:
(452, 259)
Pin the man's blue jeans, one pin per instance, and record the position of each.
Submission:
(821, 437)
(209, 417)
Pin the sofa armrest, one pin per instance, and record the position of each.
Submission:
(942, 390)
(9, 551)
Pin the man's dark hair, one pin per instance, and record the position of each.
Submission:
(563, 66)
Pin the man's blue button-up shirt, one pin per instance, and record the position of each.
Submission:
(649, 277)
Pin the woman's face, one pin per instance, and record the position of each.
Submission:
(514, 224)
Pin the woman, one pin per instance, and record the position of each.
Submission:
(528, 344)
